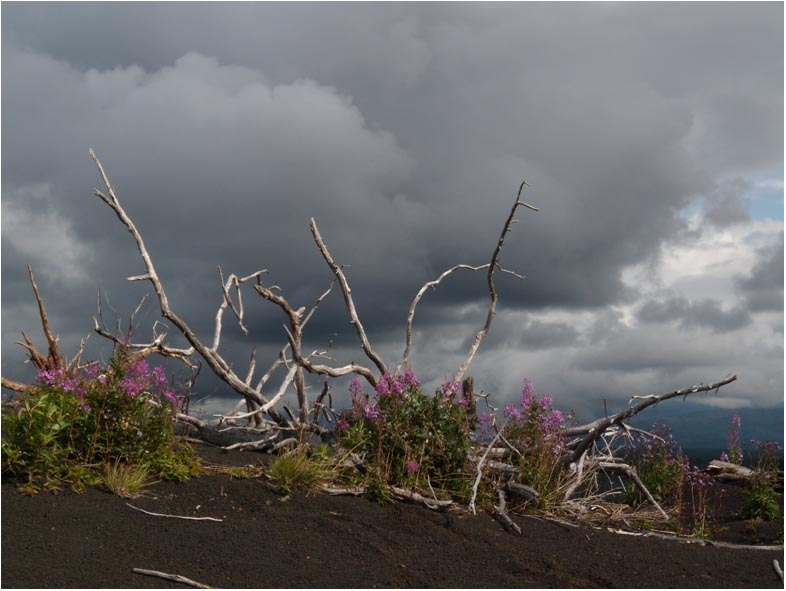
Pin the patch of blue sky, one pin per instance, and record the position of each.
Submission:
(766, 198)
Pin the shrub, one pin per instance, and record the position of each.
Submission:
(659, 463)
(121, 412)
(408, 438)
(534, 429)
(761, 500)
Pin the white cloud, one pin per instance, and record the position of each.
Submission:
(42, 236)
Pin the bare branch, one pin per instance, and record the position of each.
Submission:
(17, 386)
(167, 576)
(345, 289)
(211, 357)
(595, 430)
(630, 472)
(479, 469)
(175, 516)
(54, 350)
(493, 264)
(418, 498)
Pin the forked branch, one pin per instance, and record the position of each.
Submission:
(493, 265)
(219, 366)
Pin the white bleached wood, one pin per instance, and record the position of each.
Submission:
(493, 265)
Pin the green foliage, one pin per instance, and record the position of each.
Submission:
(534, 429)
(761, 502)
(409, 439)
(299, 470)
(659, 463)
(72, 424)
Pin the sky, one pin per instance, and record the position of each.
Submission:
(651, 137)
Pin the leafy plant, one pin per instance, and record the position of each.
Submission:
(659, 463)
(761, 501)
(95, 416)
(410, 439)
(534, 429)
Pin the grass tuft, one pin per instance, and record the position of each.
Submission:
(126, 480)
(297, 470)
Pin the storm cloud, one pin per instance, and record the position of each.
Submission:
(405, 130)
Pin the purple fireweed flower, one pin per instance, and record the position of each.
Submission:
(370, 411)
(410, 380)
(342, 424)
(724, 457)
(396, 386)
(92, 370)
(383, 387)
(170, 397)
(355, 387)
(412, 466)
(555, 419)
(449, 389)
(512, 412)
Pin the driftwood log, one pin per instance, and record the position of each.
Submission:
(728, 472)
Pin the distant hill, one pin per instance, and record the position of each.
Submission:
(700, 427)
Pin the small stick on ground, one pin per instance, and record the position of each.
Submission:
(502, 515)
(418, 498)
(778, 570)
(176, 578)
(174, 516)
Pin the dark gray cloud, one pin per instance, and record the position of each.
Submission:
(763, 287)
(405, 131)
(703, 313)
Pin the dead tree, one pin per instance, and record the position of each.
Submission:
(54, 359)
(257, 403)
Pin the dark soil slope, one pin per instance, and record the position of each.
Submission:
(96, 539)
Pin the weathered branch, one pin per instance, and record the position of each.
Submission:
(175, 516)
(54, 350)
(212, 358)
(479, 470)
(630, 472)
(17, 386)
(54, 359)
(493, 265)
(502, 515)
(169, 577)
(345, 289)
(593, 431)
(778, 570)
(418, 498)
(226, 301)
